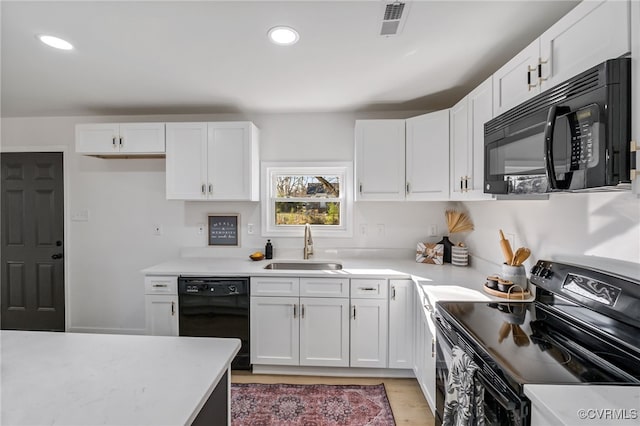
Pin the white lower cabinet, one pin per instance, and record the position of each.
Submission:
(369, 333)
(324, 331)
(369, 323)
(401, 324)
(312, 322)
(161, 305)
(308, 331)
(275, 330)
(424, 363)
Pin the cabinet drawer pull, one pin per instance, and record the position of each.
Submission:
(173, 308)
(367, 288)
(160, 285)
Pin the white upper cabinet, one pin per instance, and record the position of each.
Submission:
(592, 32)
(467, 143)
(394, 164)
(379, 155)
(120, 139)
(212, 161)
(427, 156)
(517, 80)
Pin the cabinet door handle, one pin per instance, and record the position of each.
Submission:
(461, 190)
(530, 69)
(408, 191)
(540, 63)
(393, 293)
(466, 183)
(295, 315)
(302, 311)
(120, 141)
(210, 189)
(433, 347)
(113, 141)
(360, 187)
(354, 312)
(173, 308)
(203, 188)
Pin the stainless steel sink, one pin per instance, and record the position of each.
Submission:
(304, 266)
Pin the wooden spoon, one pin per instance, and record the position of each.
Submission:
(520, 256)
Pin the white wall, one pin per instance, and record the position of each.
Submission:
(595, 224)
(126, 197)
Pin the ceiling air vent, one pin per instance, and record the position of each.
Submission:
(393, 18)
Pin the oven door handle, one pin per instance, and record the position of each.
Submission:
(505, 402)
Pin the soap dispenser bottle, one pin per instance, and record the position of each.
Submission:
(268, 250)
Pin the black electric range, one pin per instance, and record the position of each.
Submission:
(583, 327)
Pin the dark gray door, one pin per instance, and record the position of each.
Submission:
(32, 276)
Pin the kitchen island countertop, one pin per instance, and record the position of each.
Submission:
(88, 379)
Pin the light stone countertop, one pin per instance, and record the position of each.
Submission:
(425, 275)
(599, 405)
(93, 379)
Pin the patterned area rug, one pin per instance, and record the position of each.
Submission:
(309, 405)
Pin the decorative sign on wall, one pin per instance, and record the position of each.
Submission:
(223, 229)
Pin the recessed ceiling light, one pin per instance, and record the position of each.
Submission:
(55, 42)
(284, 36)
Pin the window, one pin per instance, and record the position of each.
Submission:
(306, 193)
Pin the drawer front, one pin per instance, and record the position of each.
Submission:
(324, 287)
(364, 288)
(275, 286)
(160, 285)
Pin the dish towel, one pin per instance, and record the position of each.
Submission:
(464, 401)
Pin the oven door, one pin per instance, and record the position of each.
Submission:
(500, 408)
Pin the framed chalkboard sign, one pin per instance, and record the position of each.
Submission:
(223, 229)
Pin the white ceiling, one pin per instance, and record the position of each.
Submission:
(168, 57)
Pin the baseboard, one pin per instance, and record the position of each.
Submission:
(332, 371)
(96, 330)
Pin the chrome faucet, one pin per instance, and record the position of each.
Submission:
(308, 241)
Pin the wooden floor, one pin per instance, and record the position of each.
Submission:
(407, 402)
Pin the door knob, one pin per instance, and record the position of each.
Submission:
(56, 256)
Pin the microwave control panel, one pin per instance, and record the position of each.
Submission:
(584, 127)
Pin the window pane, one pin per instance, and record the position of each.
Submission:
(299, 213)
(307, 186)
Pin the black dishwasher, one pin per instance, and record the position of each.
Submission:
(216, 307)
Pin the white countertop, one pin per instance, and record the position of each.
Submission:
(596, 405)
(92, 379)
(467, 280)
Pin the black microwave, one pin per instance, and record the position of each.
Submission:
(574, 136)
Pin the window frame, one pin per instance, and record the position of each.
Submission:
(344, 169)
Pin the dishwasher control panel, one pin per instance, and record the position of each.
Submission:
(213, 286)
